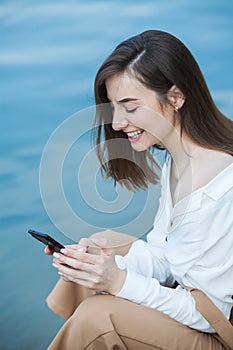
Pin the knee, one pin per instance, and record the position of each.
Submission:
(119, 242)
(94, 313)
(89, 322)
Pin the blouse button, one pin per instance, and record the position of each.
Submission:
(170, 225)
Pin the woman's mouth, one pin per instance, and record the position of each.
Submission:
(134, 136)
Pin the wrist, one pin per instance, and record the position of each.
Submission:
(118, 282)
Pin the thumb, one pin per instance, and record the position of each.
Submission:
(102, 243)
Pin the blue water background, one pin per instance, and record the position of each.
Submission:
(49, 54)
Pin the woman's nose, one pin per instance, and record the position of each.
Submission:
(119, 121)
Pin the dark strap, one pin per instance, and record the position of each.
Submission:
(213, 315)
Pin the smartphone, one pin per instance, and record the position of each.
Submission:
(46, 239)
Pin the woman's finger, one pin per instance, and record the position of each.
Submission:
(76, 260)
(90, 280)
(81, 255)
(102, 244)
(49, 250)
(69, 273)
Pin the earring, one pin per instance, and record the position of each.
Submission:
(176, 108)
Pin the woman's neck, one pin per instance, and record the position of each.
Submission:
(192, 166)
(181, 150)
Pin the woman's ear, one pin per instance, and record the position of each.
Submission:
(176, 97)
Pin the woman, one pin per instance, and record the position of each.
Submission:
(150, 92)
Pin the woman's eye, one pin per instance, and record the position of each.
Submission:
(131, 110)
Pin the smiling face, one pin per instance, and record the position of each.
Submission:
(137, 111)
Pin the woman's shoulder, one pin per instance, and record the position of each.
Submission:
(214, 169)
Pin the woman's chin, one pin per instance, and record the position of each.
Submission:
(139, 147)
(144, 143)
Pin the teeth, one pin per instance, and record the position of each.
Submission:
(134, 133)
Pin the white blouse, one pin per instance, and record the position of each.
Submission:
(191, 243)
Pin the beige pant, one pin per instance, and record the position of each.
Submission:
(100, 322)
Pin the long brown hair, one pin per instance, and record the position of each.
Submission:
(159, 60)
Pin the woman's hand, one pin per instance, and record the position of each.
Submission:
(97, 272)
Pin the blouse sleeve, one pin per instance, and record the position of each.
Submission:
(147, 260)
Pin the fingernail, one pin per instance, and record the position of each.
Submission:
(60, 273)
(54, 265)
(56, 255)
(63, 251)
(81, 250)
